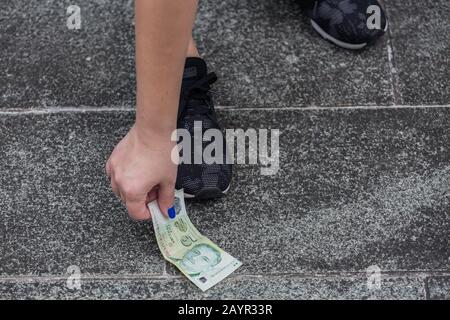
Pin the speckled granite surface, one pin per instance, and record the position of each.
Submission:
(363, 181)
(242, 288)
(421, 39)
(439, 288)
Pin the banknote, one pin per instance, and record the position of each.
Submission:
(197, 257)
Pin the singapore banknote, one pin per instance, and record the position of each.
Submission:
(197, 257)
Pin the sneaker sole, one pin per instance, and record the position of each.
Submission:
(339, 43)
(207, 193)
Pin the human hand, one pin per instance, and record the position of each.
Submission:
(141, 170)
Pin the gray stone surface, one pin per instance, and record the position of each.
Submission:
(264, 52)
(438, 288)
(56, 206)
(268, 55)
(421, 45)
(44, 64)
(241, 288)
(355, 188)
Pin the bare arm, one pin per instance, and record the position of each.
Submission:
(163, 30)
(140, 167)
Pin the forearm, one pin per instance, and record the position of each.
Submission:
(163, 30)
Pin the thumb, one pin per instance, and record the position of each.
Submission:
(166, 194)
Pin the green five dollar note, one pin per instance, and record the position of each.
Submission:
(197, 257)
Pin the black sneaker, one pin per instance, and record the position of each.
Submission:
(344, 22)
(200, 181)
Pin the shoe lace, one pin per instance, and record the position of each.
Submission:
(196, 100)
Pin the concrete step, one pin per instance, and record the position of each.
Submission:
(265, 53)
(355, 188)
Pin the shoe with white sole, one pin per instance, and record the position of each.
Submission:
(350, 24)
(202, 180)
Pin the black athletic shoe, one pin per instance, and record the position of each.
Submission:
(345, 22)
(200, 181)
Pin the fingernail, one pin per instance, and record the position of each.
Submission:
(172, 213)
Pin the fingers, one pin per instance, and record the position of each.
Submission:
(136, 197)
(115, 187)
(152, 195)
(138, 210)
(110, 173)
(166, 194)
(134, 202)
(108, 168)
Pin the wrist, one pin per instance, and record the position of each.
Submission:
(154, 133)
(155, 119)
